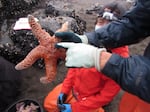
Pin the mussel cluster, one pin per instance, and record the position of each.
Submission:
(81, 25)
(15, 8)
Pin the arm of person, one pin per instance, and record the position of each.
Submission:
(95, 101)
(132, 73)
(66, 88)
(132, 28)
(68, 81)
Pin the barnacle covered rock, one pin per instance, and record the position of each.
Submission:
(13, 8)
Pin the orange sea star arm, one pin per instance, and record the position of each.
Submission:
(50, 66)
(37, 30)
(32, 56)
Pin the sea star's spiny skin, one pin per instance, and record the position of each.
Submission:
(46, 50)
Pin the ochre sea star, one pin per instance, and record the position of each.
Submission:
(46, 50)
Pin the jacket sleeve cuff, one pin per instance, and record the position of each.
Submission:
(113, 64)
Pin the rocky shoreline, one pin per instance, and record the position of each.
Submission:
(14, 45)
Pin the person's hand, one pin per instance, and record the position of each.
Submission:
(71, 37)
(61, 98)
(65, 107)
(82, 55)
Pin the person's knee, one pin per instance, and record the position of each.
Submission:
(50, 104)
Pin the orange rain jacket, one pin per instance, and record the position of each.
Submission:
(90, 88)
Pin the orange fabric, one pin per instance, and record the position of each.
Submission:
(50, 102)
(122, 51)
(131, 103)
(91, 88)
(101, 110)
(98, 110)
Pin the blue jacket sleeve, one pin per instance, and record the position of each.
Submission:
(133, 27)
(135, 81)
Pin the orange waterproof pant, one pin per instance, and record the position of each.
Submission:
(50, 102)
(131, 103)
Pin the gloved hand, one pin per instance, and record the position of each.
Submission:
(65, 107)
(82, 55)
(71, 37)
(61, 98)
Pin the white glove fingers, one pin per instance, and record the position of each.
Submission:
(71, 57)
(66, 44)
(83, 38)
(82, 55)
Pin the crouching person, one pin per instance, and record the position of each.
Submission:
(83, 90)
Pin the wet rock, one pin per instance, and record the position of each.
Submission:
(96, 8)
(51, 10)
(15, 8)
(55, 10)
(54, 23)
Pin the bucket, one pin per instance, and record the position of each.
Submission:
(12, 108)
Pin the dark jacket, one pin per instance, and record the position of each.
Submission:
(133, 73)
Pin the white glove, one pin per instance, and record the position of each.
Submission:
(83, 38)
(82, 55)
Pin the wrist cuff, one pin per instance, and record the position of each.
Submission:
(97, 58)
(83, 38)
